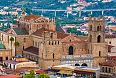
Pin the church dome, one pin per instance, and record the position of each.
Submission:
(2, 46)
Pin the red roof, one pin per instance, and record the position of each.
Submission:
(6, 30)
(10, 76)
(83, 72)
(40, 72)
(34, 17)
(59, 34)
(109, 63)
(110, 46)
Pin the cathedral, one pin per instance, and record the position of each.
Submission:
(47, 44)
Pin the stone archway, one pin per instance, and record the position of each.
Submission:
(99, 39)
(70, 50)
(84, 64)
(77, 64)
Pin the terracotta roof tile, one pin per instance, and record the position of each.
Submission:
(6, 30)
(34, 17)
(33, 50)
(59, 34)
(40, 31)
(110, 46)
(109, 63)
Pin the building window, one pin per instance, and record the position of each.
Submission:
(51, 35)
(106, 69)
(109, 70)
(70, 50)
(53, 55)
(23, 47)
(24, 40)
(110, 42)
(99, 39)
(6, 58)
(58, 42)
(97, 28)
(52, 43)
(90, 27)
(103, 69)
(100, 28)
(33, 43)
(90, 38)
(8, 39)
(1, 58)
(99, 53)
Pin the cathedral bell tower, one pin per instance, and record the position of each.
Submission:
(96, 40)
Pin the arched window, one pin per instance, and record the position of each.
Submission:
(109, 70)
(84, 64)
(103, 69)
(106, 69)
(90, 27)
(51, 35)
(99, 39)
(52, 43)
(53, 55)
(90, 38)
(100, 28)
(99, 53)
(70, 50)
(8, 39)
(77, 64)
(97, 28)
(58, 42)
(24, 40)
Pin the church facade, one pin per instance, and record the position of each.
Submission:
(44, 42)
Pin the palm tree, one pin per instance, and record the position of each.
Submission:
(11, 39)
(16, 44)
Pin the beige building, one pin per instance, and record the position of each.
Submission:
(19, 62)
(44, 42)
(5, 54)
(108, 68)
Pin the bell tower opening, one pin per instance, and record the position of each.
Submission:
(70, 50)
(97, 28)
(90, 38)
(99, 39)
(90, 28)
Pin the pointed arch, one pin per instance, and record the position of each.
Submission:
(90, 27)
(99, 39)
(90, 38)
(70, 50)
(98, 28)
(77, 64)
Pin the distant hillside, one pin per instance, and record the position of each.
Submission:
(102, 5)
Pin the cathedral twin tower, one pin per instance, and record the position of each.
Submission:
(96, 40)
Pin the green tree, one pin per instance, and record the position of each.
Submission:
(31, 74)
(16, 44)
(43, 76)
(11, 39)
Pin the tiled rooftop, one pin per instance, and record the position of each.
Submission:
(32, 49)
(34, 17)
(20, 31)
